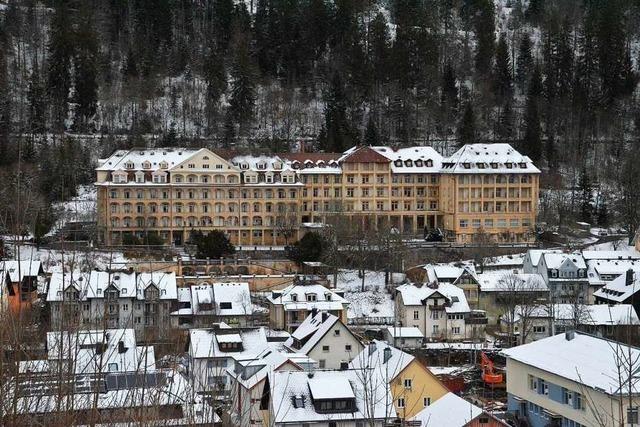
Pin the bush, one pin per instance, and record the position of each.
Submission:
(215, 244)
(309, 248)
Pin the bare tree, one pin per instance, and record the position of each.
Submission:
(517, 301)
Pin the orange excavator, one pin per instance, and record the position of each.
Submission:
(489, 376)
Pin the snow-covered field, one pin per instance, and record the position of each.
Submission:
(375, 301)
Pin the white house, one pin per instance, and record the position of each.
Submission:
(323, 337)
(441, 312)
(204, 304)
(404, 336)
(289, 307)
(327, 399)
(141, 301)
(573, 379)
(213, 351)
(564, 273)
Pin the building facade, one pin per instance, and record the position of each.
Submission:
(482, 190)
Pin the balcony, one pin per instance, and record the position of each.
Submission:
(477, 321)
(437, 307)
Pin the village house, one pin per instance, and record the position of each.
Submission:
(564, 273)
(499, 291)
(441, 312)
(462, 275)
(251, 387)
(19, 283)
(328, 399)
(204, 304)
(411, 385)
(289, 307)
(142, 301)
(453, 411)
(535, 322)
(213, 351)
(573, 379)
(323, 337)
(103, 377)
(404, 336)
(621, 290)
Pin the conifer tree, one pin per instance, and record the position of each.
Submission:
(6, 154)
(339, 134)
(371, 136)
(485, 33)
(502, 70)
(524, 63)
(36, 94)
(60, 61)
(379, 49)
(85, 76)
(467, 126)
(243, 77)
(586, 196)
(532, 138)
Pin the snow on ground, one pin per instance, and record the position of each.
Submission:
(80, 208)
(375, 301)
(52, 260)
(614, 245)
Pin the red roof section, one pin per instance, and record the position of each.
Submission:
(366, 155)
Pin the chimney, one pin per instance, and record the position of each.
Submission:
(629, 277)
(314, 311)
(324, 316)
(372, 348)
(569, 335)
(386, 355)
(121, 347)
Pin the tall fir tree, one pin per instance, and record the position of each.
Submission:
(379, 47)
(339, 133)
(36, 95)
(586, 196)
(467, 126)
(371, 136)
(85, 76)
(7, 155)
(61, 50)
(502, 73)
(485, 34)
(532, 136)
(243, 81)
(524, 62)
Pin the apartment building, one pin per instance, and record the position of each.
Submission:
(572, 380)
(263, 200)
(141, 301)
(564, 273)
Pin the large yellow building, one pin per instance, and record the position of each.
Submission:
(483, 189)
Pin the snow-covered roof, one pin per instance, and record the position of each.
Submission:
(323, 387)
(404, 332)
(204, 343)
(413, 295)
(311, 331)
(448, 272)
(261, 163)
(155, 156)
(384, 359)
(250, 372)
(593, 315)
(165, 282)
(294, 297)
(536, 254)
(585, 359)
(611, 255)
(18, 270)
(556, 260)
(450, 410)
(489, 159)
(599, 271)
(618, 290)
(292, 396)
(418, 159)
(222, 299)
(512, 282)
(94, 351)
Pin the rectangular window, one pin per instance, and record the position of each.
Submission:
(408, 383)
(632, 415)
(416, 315)
(426, 401)
(325, 348)
(401, 402)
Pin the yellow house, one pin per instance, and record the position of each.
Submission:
(412, 386)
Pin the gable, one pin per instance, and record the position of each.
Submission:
(329, 335)
(204, 160)
(365, 155)
(423, 376)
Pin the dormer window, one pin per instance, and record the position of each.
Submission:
(146, 164)
(398, 163)
(163, 165)
(261, 165)
(480, 165)
(466, 165)
(508, 165)
(429, 163)
(408, 163)
(419, 163)
(312, 297)
(294, 297)
(277, 165)
(139, 177)
(244, 166)
(129, 165)
(522, 165)
(494, 165)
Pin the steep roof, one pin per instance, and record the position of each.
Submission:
(18, 270)
(311, 331)
(373, 357)
(326, 299)
(363, 155)
(618, 290)
(584, 359)
(450, 410)
(413, 295)
(500, 282)
(203, 343)
(137, 156)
